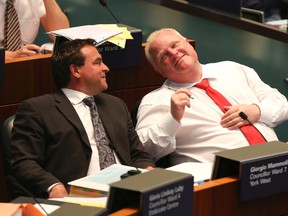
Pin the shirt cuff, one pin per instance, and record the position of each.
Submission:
(49, 189)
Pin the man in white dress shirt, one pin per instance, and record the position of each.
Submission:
(170, 122)
(30, 14)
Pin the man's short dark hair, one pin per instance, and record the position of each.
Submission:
(68, 52)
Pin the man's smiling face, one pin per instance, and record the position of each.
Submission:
(173, 56)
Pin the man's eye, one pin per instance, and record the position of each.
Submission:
(175, 45)
(163, 58)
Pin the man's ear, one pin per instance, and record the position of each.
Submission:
(74, 71)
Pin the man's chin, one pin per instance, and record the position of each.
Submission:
(105, 86)
(184, 63)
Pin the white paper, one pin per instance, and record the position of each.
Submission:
(200, 171)
(102, 179)
(278, 22)
(47, 207)
(85, 201)
(99, 33)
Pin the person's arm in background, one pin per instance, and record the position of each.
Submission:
(25, 50)
(54, 18)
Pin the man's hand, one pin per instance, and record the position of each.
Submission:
(149, 168)
(232, 120)
(25, 50)
(179, 100)
(58, 191)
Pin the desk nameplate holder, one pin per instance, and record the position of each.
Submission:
(262, 169)
(157, 192)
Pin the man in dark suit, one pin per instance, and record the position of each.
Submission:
(53, 138)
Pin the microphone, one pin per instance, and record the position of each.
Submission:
(245, 117)
(28, 193)
(104, 4)
(130, 173)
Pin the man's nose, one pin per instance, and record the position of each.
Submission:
(173, 51)
(173, 54)
(105, 68)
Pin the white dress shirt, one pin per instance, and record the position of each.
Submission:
(200, 135)
(83, 111)
(29, 14)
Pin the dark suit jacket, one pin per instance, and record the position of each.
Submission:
(49, 143)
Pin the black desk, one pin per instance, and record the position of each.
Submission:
(66, 208)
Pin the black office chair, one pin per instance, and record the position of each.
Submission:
(252, 14)
(134, 111)
(6, 134)
(163, 162)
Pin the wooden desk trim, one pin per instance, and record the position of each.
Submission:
(216, 183)
(126, 212)
(27, 58)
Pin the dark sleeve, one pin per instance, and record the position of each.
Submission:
(28, 149)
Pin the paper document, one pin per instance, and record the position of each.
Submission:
(100, 33)
(47, 207)
(26, 209)
(200, 171)
(10, 209)
(119, 39)
(96, 202)
(278, 22)
(102, 179)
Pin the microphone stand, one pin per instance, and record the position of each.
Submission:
(104, 4)
(15, 183)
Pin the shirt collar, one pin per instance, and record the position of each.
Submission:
(75, 97)
(206, 73)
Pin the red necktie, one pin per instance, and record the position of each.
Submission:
(251, 133)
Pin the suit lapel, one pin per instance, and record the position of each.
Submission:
(66, 108)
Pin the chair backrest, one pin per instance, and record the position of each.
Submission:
(134, 112)
(252, 14)
(6, 134)
(14, 188)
